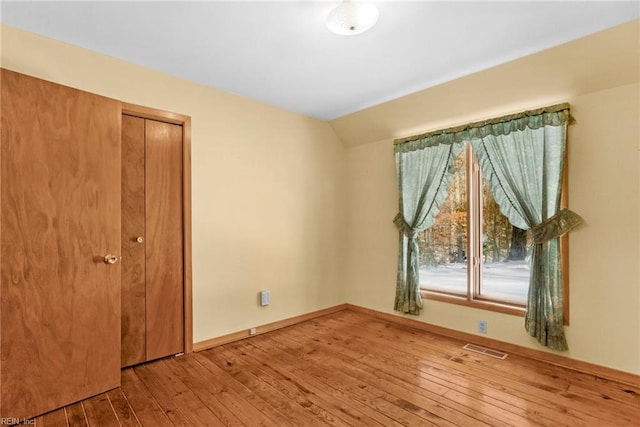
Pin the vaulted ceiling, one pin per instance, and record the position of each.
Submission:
(281, 53)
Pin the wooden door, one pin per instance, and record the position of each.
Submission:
(60, 216)
(133, 243)
(164, 252)
(152, 240)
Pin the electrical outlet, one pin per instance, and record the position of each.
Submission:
(264, 298)
(252, 331)
(482, 326)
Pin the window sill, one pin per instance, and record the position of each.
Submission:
(477, 303)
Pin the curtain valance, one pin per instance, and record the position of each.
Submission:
(554, 115)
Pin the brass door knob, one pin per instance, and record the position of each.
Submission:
(139, 239)
(110, 259)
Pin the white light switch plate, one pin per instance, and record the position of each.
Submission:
(264, 298)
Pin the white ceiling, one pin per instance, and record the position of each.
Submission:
(281, 53)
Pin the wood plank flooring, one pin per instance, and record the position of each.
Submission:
(350, 369)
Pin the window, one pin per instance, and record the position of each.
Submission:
(472, 254)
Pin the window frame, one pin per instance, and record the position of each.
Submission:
(473, 298)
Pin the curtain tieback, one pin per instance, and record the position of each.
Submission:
(551, 228)
(404, 227)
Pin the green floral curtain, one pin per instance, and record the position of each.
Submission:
(522, 158)
(424, 172)
(524, 170)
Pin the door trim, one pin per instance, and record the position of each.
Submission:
(185, 122)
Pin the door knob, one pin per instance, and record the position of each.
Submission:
(139, 239)
(110, 259)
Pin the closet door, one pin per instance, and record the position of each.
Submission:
(60, 244)
(164, 252)
(133, 242)
(152, 240)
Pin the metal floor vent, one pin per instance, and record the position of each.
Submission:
(493, 353)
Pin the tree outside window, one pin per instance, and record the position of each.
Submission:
(472, 250)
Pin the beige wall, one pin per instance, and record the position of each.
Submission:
(268, 198)
(604, 149)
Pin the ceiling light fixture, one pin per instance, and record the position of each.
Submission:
(349, 18)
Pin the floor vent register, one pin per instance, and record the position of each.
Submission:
(493, 353)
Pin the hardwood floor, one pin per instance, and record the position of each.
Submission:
(349, 368)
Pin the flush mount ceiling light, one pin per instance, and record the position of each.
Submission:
(349, 18)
